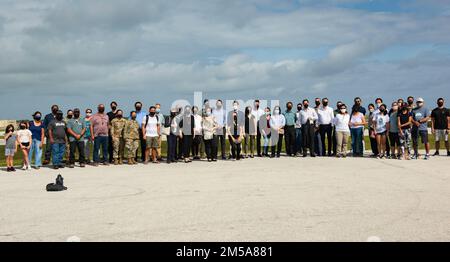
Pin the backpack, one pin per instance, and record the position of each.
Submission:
(57, 186)
(147, 117)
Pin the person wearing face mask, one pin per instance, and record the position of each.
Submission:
(289, 129)
(24, 139)
(57, 130)
(277, 123)
(69, 115)
(100, 133)
(209, 127)
(333, 136)
(48, 147)
(172, 137)
(381, 126)
(308, 118)
(198, 131)
(140, 116)
(420, 118)
(410, 101)
(220, 115)
(151, 129)
(266, 130)
(440, 125)
(358, 105)
(326, 115)
(393, 132)
(404, 123)
(117, 135)
(10, 147)
(111, 115)
(88, 142)
(76, 128)
(258, 112)
(38, 134)
(357, 122)
(251, 125)
(235, 130)
(131, 136)
(371, 127)
(378, 103)
(161, 123)
(187, 125)
(317, 139)
(341, 122)
(298, 131)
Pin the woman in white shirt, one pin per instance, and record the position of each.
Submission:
(341, 122)
(357, 123)
(24, 140)
(277, 123)
(381, 123)
(198, 132)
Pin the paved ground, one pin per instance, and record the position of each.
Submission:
(287, 199)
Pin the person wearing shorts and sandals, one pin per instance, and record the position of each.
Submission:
(440, 125)
(381, 122)
(24, 139)
(420, 115)
(151, 131)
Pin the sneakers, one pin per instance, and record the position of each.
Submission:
(427, 156)
(448, 153)
(436, 153)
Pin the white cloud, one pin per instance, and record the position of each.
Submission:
(56, 48)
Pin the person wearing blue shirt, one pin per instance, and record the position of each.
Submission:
(420, 118)
(140, 114)
(48, 147)
(289, 129)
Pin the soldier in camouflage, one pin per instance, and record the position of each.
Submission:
(117, 133)
(132, 141)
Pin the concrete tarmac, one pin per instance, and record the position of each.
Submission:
(286, 199)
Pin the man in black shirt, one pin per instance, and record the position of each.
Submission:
(440, 125)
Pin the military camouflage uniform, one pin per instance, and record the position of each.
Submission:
(117, 134)
(131, 138)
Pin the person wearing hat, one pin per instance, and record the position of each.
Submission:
(420, 118)
(57, 136)
(76, 128)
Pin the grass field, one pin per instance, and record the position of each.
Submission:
(18, 156)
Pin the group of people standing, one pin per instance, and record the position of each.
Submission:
(194, 132)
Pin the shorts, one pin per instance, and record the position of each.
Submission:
(9, 152)
(441, 134)
(422, 133)
(25, 144)
(152, 142)
(382, 133)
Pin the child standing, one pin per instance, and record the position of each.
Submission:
(10, 147)
(24, 140)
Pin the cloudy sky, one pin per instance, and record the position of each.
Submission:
(80, 53)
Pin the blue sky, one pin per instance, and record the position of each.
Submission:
(82, 53)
